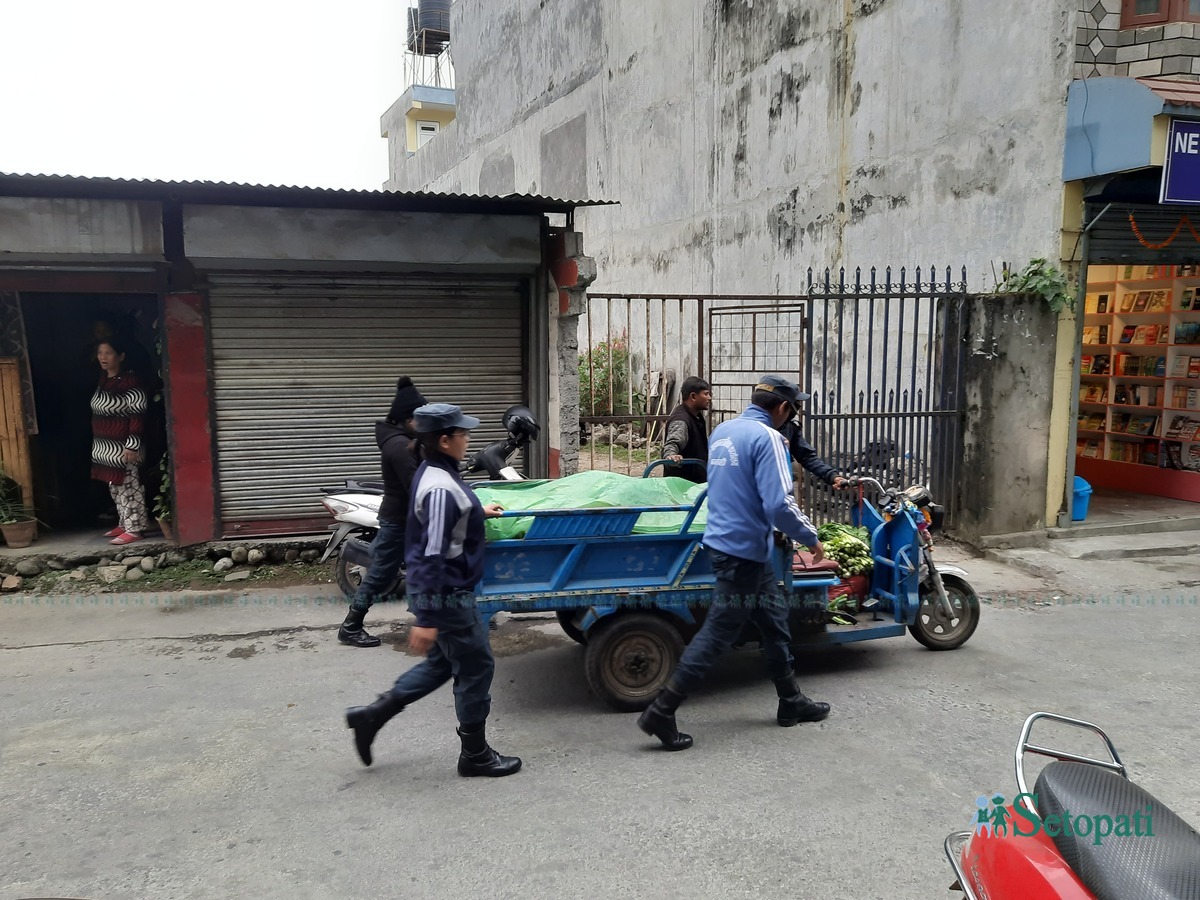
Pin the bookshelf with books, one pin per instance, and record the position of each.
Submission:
(1139, 387)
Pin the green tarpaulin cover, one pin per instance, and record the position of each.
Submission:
(590, 490)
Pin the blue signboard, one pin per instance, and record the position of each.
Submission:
(1181, 170)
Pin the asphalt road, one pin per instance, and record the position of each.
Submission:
(201, 753)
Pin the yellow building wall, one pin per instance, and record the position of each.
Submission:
(419, 113)
(1066, 351)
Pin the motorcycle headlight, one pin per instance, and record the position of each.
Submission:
(919, 495)
(338, 507)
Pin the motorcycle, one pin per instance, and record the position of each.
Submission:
(1085, 832)
(355, 504)
(948, 611)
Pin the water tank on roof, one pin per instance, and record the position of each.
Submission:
(434, 18)
(413, 28)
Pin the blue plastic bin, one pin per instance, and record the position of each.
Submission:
(1079, 504)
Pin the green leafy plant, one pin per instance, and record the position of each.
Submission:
(12, 508)
(1042, 279)
(604, 380)
(163, 499)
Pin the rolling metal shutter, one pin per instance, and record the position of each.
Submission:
(1113, 239)
(303, 366)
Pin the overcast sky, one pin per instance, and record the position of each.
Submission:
(259, 91)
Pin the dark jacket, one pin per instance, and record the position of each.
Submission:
(695, 448)
(398, 450)
(445, 541)
(803, 453)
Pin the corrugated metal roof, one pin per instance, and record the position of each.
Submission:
(1172, 92)
(235, 194)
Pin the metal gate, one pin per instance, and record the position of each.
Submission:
(882, 360)
(885, 369)
(635, 350)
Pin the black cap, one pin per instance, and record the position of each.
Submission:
(785, 390)
(406, 400)
(442, 417)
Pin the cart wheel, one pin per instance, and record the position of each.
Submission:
(630, 659)
(934, 629)
(566, 620)
(349, 576)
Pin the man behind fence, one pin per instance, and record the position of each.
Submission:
(749, 495)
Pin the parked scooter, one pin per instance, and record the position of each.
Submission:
(355, 505)
(1085, 832)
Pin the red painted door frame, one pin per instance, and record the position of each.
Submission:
(186, 365)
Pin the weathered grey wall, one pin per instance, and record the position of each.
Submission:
(749, 140)
(1010, 348)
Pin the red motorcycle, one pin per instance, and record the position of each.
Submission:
(1085, 832)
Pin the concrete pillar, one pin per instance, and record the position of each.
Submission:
(570, 274)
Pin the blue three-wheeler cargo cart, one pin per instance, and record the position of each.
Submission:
(634, 599)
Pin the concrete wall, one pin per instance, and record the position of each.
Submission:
(33, 228)
(748, 141)
(1010, 367)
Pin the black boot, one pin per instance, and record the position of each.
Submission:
(477, 758)
(658, 719)
(367, 720)
(353, 633)
(794, 707)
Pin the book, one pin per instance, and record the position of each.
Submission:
(1187, 298)
(1160, 367)
(1178, 423)
(1093, 394)
(1100, 365)
(1158, 302)
(1142, 301)
(1103, 335)
(1179, 367)
(1150, 453)
(1120, 422)
(1102, 303)
(1127, 301)
(1085, 364)
(1142, 425)
(1127, 333)
(1140, 335)
(1193, 367)
(1163, 333)
(1187, 333)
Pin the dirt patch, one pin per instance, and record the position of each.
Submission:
(243, 652)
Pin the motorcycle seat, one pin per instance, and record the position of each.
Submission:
(367, 487)
(1160, 866)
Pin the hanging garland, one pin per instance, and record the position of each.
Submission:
(1183, 220)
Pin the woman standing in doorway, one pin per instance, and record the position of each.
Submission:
(118, 424)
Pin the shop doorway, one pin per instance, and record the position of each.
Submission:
(61, 334)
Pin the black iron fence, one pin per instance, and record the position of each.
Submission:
(884, 367)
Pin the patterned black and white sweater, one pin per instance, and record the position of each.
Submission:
(118, 420)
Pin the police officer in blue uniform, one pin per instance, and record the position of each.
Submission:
(749, 495)
(445, 541)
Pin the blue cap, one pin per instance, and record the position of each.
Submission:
(442, 417)
(782, 388)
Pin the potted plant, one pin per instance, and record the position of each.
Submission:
(163, 499)
(17, 520)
